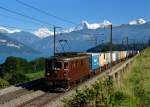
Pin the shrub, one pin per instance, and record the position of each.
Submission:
(3, 83)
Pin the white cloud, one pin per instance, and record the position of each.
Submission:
(5, 30)
(43, 32)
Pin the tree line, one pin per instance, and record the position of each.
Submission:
(13, 70)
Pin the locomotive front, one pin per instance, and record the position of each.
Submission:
(56, 73)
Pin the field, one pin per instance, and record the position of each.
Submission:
(36, 75)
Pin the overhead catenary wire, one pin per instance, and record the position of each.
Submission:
(29, 17)
(37, 20)
(51, 15)
(13, 27)
(44, 12)
(15, 18)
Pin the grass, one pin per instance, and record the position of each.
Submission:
(136, 83)
(35, 75)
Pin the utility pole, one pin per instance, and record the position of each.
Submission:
(122, 45)
(127, 43)
(134, 44)
(110, 47)
(54, 39)
(55, 27)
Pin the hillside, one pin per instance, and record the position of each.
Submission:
(12, 47)
(136, 83)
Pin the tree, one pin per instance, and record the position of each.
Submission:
(13, 68)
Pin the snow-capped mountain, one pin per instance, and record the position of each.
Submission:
(137, 22)
(26, 38)
(5, 30)
(86, 25)
(43, 32)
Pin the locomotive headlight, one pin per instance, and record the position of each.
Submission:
(48, 74)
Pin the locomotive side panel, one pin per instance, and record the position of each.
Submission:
(79, 69)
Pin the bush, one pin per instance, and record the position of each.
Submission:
(3, 83)
(100, 94)
(18, 78)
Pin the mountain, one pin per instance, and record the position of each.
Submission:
(137, 22)
(85, 25)
(24, 37)
(79, 38)
(87, 36)
(5, 30)
(11, 47)
(43, 33)
(44, 45)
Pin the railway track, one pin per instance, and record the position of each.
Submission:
(12, 95)
(22, 99)
(40, 100)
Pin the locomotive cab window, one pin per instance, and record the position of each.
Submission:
(57, 65)
(65, 65)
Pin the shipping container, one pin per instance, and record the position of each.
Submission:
(117, 55)
(94, 61)
(102, 59)
(124, 54)
(114, 57)
(107, 57)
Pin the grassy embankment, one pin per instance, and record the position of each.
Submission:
(132, 91)
(36, 75)
(136, 83)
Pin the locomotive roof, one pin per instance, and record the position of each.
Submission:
(69, 56)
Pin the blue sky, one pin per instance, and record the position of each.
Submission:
(116, 11)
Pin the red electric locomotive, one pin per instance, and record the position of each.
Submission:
(65, 69)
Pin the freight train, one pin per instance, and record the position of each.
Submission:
(67, 69)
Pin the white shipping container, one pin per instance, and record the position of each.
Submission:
(114, 56)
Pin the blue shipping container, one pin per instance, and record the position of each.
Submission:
(94, 61)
